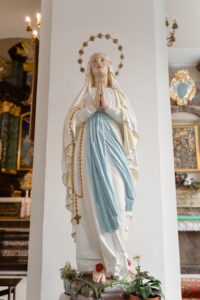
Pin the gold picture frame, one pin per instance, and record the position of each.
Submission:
(182, 88)
(25, 146)
(186, 147)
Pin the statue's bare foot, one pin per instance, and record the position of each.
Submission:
(131, 274)
(99, 275)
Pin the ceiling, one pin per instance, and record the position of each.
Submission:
(183, 56)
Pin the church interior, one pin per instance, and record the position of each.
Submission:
(39, 42)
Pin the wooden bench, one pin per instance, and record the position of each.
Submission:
(11, 284)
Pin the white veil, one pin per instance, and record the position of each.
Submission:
(129, 128)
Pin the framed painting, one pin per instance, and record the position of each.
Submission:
(25, 146)
(186, 148)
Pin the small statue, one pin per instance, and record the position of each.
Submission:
(100, 171)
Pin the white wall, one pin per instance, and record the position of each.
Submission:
(187, 15)
(139, 26)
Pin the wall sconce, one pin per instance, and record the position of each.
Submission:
(29, 28)
(33, 30)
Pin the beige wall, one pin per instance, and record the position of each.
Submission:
(187, 14)
(12, 17)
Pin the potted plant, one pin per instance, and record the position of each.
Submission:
(67, 273)
(144, 286)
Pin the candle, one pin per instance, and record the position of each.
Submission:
(28, 21)
(35, 34)
(38, 17)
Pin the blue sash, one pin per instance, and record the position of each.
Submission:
(102, 143)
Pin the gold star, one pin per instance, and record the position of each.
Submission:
(85, 44)
(81, 51)
(92, 38)
(100, 35)
(107, 36)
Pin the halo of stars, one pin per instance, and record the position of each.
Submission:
(92, 38)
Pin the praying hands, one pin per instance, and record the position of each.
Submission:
(100, 102)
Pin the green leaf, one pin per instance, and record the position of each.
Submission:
(145, 291)
(151, 278)
(156, 293)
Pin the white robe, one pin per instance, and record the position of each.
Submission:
(93, 245)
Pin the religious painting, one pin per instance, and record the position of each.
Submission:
(186, 148)
(25, 147)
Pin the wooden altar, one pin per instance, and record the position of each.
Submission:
(14, 234)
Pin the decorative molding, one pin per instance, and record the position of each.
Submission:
(188, 225)
(189, 109)
(188, 199)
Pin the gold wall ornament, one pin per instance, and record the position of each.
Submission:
(182, 88)
(106, 36)
(171, 35)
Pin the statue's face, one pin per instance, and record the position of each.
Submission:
(99, 64)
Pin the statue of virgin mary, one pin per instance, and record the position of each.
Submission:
(100, 170)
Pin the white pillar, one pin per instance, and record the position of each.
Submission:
(139, 25)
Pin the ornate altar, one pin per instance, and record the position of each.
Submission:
(18, 78)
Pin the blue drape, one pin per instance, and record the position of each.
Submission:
(102, 144)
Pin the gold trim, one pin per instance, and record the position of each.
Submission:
(15, 110)
(3, 170)
(6, 106)
(66, 148)
(182, 76)
(19, 143)
(197, 148)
